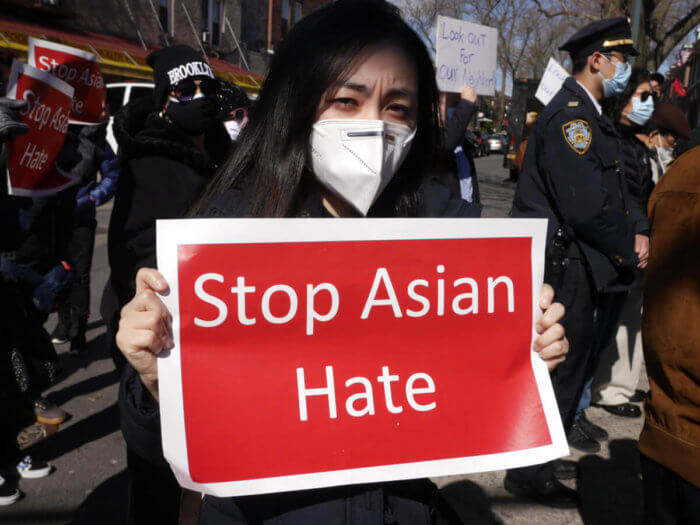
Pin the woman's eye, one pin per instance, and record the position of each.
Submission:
(398, 109)
(344, 102)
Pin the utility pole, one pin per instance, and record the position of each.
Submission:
(636, 20)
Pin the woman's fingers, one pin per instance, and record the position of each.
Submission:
(546, 296)
(147, 301)
(150, 279)
(551, 335)
(554, 353)
(550, 317)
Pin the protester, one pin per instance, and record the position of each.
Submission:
(234, 108)
(456, 168)
(667, 126)
(17, 316)
(571, 175)
(169, 148)
(388, 84)
(670, 440)
(75, 309)
(530, 119)
(614, 387)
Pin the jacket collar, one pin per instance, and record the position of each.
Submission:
(584, 98)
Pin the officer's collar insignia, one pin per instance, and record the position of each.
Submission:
(578, 135)
(573, 104)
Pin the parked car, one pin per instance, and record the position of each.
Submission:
(497, 143)
(118, 95)
(483, 140)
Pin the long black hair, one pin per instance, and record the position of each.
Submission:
(271, 161)
(614, 105)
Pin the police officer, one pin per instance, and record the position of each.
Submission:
(573, 175)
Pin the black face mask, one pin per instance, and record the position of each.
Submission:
(195, 116)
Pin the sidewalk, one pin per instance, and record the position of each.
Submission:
(89, 482)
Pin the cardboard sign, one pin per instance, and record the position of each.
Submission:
(78, 68)
(552, 80)
(318, 352)
(466, 55)
(31, 157)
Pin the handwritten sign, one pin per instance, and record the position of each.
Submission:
(351, 354)
(552, 80)
(31, 157)
(78, 68)
(466, 55)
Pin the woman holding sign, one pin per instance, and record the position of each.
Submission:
(352, 68)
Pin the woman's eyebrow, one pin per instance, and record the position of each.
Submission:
(352, 85)
(400, 92)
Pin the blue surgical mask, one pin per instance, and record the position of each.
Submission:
(641, 110)
(617, 84)
(450, 113)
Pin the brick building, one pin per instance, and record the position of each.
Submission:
(240, 32)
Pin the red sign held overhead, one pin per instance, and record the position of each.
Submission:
(31, 157)
(352, 351)
(78, 68)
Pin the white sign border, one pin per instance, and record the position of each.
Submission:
(172, 233)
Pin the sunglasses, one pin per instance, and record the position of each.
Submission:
(646, 94)
(186, 90)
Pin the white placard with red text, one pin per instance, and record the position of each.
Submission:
(78, 68)
(319, 352)
(31, 168)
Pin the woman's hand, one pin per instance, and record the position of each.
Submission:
(144, 328)
(551, 344)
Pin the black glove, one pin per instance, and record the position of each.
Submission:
(9, 126)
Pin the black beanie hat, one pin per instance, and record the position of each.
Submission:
(174, 64)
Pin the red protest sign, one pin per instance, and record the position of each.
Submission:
(347, 354)
(31, 157)
(78, 68)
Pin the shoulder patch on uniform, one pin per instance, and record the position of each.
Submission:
(578, 135)
(573, 104)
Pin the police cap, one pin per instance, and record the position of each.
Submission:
(610, 34)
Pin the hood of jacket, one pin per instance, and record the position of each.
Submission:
(140, 132)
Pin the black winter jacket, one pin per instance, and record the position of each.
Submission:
(637, 162)
(162, 174)
(410, 502)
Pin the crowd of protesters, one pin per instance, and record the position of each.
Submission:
(612, 166)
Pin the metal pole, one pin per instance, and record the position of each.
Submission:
(136, 27)
(636, 19)
(160, 26)
(196, 36)
(269, 25)
(245, 62)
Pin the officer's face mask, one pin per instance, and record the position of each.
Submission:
(617, 84)
(357, 158)
(642, 110)
(195, 116)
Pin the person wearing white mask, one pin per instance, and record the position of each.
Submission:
(667, 125)
(345, 126)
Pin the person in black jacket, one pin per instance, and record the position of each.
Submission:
(351, 63)
(621, 354)
(169, 148)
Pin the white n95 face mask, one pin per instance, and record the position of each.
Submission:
(357, 158)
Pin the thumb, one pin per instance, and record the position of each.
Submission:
(12, 103)
(150, 279)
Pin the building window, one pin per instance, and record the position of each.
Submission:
(211, 21)
(284, 25)
(297, 11)
(164, 15)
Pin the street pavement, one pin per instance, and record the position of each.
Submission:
(88, 485)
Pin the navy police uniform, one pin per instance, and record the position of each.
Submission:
(573, 175)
